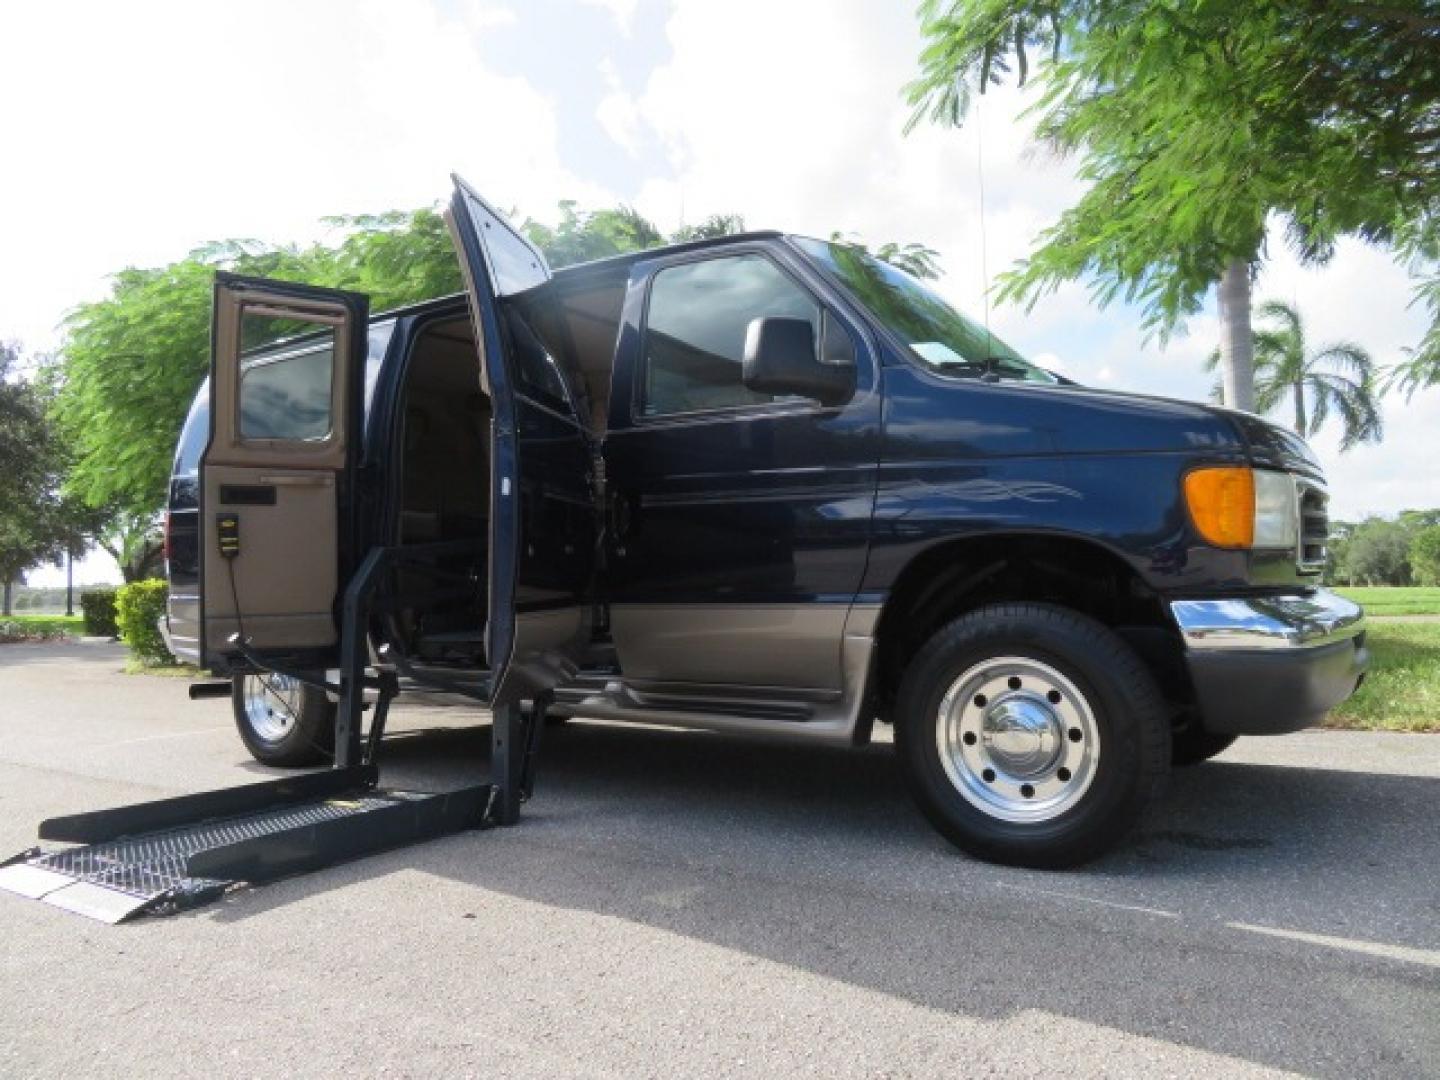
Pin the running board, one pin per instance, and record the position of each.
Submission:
(172, 854)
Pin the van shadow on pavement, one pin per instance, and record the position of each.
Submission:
(814, 858)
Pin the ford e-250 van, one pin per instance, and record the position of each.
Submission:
(764, 485)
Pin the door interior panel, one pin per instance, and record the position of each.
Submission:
(542, 510)
(276, 477)
(285, 574)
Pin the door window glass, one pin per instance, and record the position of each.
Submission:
(537, 370)
(285, 385)
(695, 330)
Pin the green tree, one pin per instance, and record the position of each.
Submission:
(130, 365)
(917, 260)
(37, 524)
(134, 541)
(583, 235)
(1197, 122)
(1337, 551)
(1425, 556)
(712, 228)
(1378, 553)
(1418, 519)
(1338, 379)
(131, 362)
(396, 258)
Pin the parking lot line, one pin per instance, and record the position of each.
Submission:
(167, 735)
(1428, 957)
(1058, 895)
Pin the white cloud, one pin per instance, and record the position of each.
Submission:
(167, 124)
(617, 112)
(162, 128)
(623, 11)
(792, 113)
(808, 137)
(477, 15)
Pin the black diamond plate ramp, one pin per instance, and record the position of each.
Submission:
(172, 868)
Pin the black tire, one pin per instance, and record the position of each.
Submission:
(308, 740)
(1126, 716)
(1194, 745)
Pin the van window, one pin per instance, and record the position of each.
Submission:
(938, 336)
(285, 392)
(195, 434)
(196, 431)
(695, 330)
(537, 370)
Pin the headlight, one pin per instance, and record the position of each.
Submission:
(1240, 507)
(1277, 517)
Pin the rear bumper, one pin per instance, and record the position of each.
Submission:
(1271, 665)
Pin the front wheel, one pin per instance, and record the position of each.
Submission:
(283, 722)
(1031, 734)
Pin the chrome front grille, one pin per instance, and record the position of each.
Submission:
(1314, 527)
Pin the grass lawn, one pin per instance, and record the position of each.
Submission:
(43, 626)
(1402, 691)
(165, 671)
(1388, 601)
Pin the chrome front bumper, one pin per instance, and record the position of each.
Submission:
(1274, 664)
(1271, 622)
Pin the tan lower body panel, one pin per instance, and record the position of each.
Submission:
(285, 574)
(836, 718)
(793, 645)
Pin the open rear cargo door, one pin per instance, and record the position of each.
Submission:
(542, 511)
(286, 383)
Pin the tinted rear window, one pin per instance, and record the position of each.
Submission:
(195, 432)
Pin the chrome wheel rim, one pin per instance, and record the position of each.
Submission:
(272, 704)
(1018, 739)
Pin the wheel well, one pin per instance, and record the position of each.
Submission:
(952, 578)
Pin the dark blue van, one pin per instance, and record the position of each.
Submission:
(765, 485)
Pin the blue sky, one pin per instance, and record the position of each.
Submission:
(166, 125)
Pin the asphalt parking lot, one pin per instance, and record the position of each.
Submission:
(681, 904)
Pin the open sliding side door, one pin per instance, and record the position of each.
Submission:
(542, 511)
(286, 413)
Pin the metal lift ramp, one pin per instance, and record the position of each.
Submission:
(165, 856)
(172, 854)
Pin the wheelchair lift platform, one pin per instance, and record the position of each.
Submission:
(171, 854)
(165, 856)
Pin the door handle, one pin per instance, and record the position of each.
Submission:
(305, 479)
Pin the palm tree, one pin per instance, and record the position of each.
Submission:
(1338, 378)
(1420, 370)
(1236, 355)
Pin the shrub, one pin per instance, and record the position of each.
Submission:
(14, 631)
(1425, 556)
(138, 607)
(98, 606)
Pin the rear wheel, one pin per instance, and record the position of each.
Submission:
(281, 721)
(1194, 745)
(1031, 734)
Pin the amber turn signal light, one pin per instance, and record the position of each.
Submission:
(1222, 505)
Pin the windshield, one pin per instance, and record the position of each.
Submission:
(939, 336)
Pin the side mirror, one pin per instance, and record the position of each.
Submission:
(780, 358)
